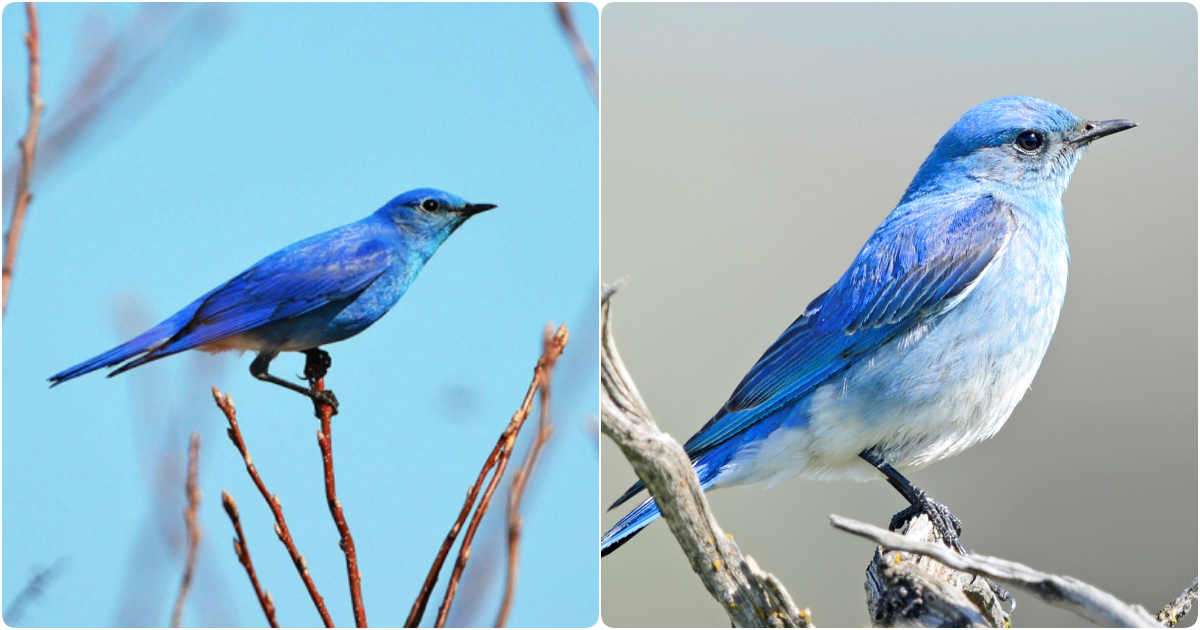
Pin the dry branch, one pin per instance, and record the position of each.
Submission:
(751, 597)
(28, 145)
(517, 492)
(193, 528)
(498, 459)
(1178, 608)
(225, 403)
(1078, 597)
(583, 55)
(325, 441)
(243, 556)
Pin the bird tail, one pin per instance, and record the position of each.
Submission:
(144, 343)
(633, 523)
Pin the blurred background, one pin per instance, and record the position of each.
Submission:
(750, 150)
(182, 143)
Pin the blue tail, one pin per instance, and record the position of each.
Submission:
(142, 344)
(633, 523)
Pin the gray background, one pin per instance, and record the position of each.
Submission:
(748, 151)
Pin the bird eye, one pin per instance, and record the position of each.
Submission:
(429, 205)
(1029, 141)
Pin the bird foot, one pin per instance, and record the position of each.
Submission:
(324, 397)
(316, 364)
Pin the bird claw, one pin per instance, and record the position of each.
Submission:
(317, 363)
(948, 526)
(324, 397)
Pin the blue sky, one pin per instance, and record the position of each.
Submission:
(281, 122)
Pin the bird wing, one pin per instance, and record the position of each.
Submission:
(305, 276)
(915, 266)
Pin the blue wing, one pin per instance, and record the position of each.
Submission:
(916, 263)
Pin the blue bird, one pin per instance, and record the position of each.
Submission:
(931, 337)
(314, 292)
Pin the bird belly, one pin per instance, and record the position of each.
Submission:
(944, 386)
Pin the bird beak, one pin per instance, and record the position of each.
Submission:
(473, 209)
(1095, 129)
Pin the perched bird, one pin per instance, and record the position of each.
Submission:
(315, 292)
(928, 341)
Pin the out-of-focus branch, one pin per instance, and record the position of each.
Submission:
(15, 611)
(225, 403)
(1066, 592)
(193, 528)
(751, 597)
(243, 556)
(1178, 608)
(498, 459)
(517, 492)
(325, 442)
(582, 53)
(28, 146)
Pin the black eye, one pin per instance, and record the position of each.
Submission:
(429, 205)
(1029, 141)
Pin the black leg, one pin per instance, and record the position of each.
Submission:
(317, 363)
(948, 525)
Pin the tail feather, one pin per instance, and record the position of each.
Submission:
(144, 343)
(633, 523)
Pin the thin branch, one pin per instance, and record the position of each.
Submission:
(243, 556)
(517, 492)
(34, 588)
(281, 529)
(325, 442)
(28, 146)
(193, 528)
(583, 55)
(1078, 597)
(499, 460)
(751, 597)
(1178, 608)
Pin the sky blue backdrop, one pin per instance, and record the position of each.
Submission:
(298, 119)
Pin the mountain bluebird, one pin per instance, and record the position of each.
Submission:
(317, 291)
(928, 341)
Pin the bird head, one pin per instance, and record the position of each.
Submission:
(1024, 143)
(431, 212)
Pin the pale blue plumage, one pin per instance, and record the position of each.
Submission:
(317, 291)
(928, 341)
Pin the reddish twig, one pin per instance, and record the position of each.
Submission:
(582, 53)
(499, 459)
(325, 441)
(243, 556)
(281, 529)
(193, 528)
(28, 146)
(517, 492)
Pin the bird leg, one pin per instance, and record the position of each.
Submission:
(948, 526)
(314, 364)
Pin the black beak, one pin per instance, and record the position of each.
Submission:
(1096, 129)
(472, 209)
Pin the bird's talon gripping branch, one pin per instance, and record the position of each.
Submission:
(324, 397)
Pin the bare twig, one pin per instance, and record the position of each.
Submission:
(193, 528)
(34, 588)
(281, 529)
(28, 146)
(517, 492)
(325, 442)
(1078, 597)
(751, 597)
(499, 460)
(243, 556)
(582, 54)
(1178, 608)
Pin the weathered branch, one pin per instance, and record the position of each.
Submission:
(325, 442)
(28, 147)
(517, 492)
(281, 529)
(193, 528)
(498, 459)
(1078, 597)
(243, 556)
(583, 55)
(1178, 608)
(910, 590)
(749, 596)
